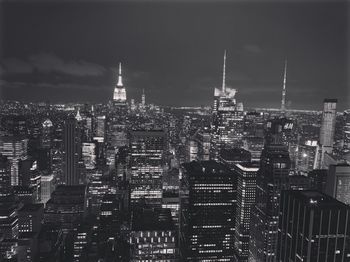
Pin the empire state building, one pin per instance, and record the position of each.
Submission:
(119, 94)
(117, 117)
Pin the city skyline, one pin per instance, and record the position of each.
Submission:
(176, 61)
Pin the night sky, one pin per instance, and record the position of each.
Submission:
(68, 51)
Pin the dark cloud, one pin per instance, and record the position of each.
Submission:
(50, 63)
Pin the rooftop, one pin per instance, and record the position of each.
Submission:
(152, 219)
(31, 207)
(317, 199)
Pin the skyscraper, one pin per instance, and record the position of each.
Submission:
(119, 94)
(272, 178)
(143, 98)
(328, 124)
(117, 118)
(347, 130)
(16, 149)
(46, 133)
(312, 227)
(207, 219)
(246, 187)
(227, 120)
(5, 176)
(100, 129)
(153, 236)
(66, 206)
(338, 182)
(47, 187)
(72, 149)
(147, 164)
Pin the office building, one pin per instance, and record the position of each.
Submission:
(5, 176)
(312, 227)
(338, 182)
(47, 133)
(147, 164)
(153, 236)
(272, 178)
(207, 212)
(47, 187)
(347, 130)
(30, 218)
(15, 148)
(9, 220)
(246, 187)
(66, 206)
(72, 152)
(328, 123)
(228, 118)
(117, 118)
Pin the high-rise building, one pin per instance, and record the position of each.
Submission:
(207, 212)
(8, 220)
(89, 155)
(272, 178)
(15, 148)
(246, 187)
(46, 133)
(96, 189)
(318, 179)
(153, 236)
(100, 128)
(227, 120)
(203, 143)
(312, 227)
(338, 182)
(117, 118)
(119, 94)
(5, 176)
(143, 100)
(328, 124)
(30, 218)
(306, 156)
(234, 156)
(72, 152)
(47, 187)
(66, 206)
(147, 164)
(347, 130)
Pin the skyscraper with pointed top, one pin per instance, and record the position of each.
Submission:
(117, 117)
(283, 101)
(119, 94)
(227, 122)
(143, 98)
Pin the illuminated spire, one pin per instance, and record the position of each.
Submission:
(78, 116)
(120, 81)
(283, 102)
(224, 74)
(143, 98)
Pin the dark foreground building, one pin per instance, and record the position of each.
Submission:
(272, 177)
(153, 236)
(207, 220)
(313, 227)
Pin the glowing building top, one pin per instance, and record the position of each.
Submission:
(119, 94)
(224, 98)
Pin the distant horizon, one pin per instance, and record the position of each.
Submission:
(175, 51)
(246, 108)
